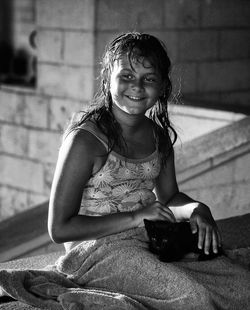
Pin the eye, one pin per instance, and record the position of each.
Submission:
(127, 76)
(150, 79)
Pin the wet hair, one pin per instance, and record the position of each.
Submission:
(138, 47)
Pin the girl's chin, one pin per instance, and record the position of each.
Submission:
(129, 110)
(133, 111)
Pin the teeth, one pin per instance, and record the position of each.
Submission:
(134, 98)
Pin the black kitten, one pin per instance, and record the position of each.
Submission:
(172, 241)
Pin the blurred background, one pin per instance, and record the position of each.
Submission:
(50, 53)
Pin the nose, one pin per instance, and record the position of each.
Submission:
(137, 85)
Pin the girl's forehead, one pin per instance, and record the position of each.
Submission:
(124, 62)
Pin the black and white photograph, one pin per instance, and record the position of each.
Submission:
(125, 154)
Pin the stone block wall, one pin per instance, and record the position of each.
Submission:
(208, 42)
(32, 120)
(202, 37)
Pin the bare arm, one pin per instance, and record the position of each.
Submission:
(78, 156)
(168, 192)
(185, 208)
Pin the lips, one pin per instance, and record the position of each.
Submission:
(135, 98)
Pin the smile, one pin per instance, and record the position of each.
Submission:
(135, 98)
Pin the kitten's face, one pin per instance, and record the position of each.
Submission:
(158, 236)
(160, 230)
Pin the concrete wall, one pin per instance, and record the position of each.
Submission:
(202, 38)
(225, 189)
(192, 122)
(215, 169)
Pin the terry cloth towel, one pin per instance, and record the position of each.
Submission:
(119, 272)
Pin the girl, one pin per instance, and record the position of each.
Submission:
(116, 164)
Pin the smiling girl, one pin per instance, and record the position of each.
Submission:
(116, 167)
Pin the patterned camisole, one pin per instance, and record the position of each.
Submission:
(121, 185)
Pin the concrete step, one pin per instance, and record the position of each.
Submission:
(25, 233)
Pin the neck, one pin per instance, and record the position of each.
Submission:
(128, 122)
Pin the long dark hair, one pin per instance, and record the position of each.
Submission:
(137, 46)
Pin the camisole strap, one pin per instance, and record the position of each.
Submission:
(91, 127)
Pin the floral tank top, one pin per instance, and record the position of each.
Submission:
(121, 185)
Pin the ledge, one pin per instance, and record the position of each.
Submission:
(24, 232)
(213, 149)
(8, 88)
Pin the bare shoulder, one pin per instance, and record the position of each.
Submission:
(82, 151)
(86, 135)
(92, 127)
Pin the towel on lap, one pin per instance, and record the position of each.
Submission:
(119, 272)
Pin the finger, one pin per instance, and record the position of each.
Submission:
(215, 242)
(208, 239)
(202, 233)
(167, 209)
(220, 241)
(168, 214)
(193, 225)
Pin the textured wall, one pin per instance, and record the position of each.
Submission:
(215, 169)
(32, 120)
(225, 188)
(208, 42)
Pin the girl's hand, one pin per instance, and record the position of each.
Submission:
(156, 212)
(209, 236)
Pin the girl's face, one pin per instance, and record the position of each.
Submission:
(134, 89)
